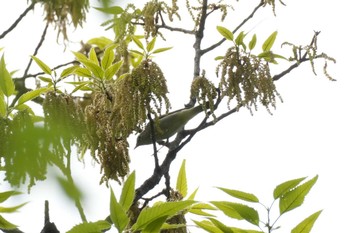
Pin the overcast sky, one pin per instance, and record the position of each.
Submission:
(306, 135)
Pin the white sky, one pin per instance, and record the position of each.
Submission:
(306, 135)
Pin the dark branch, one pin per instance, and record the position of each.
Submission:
(235, 30)
(29, 8)
(42, 38)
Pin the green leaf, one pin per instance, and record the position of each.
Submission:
(240, 195)
(91, 227)
(108, 57)
(149, 215)
(155, 226)
(238, 211)
(42, 65)
(117, 213)
(181, 184)
(6, 195)
(138, 42)
(7, 85)
(31, 95)
(227, 208)
(208, 226)
(100, 42)
(70, 189)
(193, 195)
(227, 34)
(287, 186)
(11, 209)
(219, 58)
(136, 53)
(267, 45)
(220, 225)
(160, 50)
(24, 107)
(3, 106)
(113, 69)
(306, 225)
(200, 212)
(68, 71)
(95, 69)
(252, 42)
(4, 224)
(79, 56)
(45, 79)
(93, 56)
(295, 198)
(82, 72)
(240, 38)
(128, 192)
(113, 10)
(150, 45)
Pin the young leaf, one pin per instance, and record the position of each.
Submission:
(287, 186)
(108, 57)
(100, 42)
(252, 42)
(240, 38)
(155, 226)
(45, 79)
(160, 50)
(117, 213)
(220, 225)
(238, 211)
(95, 69)
(181, 184)
(6, 195)
(31, 95)
(93, 56)
(150, 45)
(7, 86)
(240, 195)
(149, 215)
(68, 71)
(112, 70)
(193, 195)
(99, 226)
(11, 209)
(4, 224)
(208, 226)
(113, 10)
(128, 192)
(267, 45)
(138, 42)
(227, 34)
(3, 106)
(295, 198)
(227, 208)
(42, 65)
(82, 72)
(79, 56)
(306, 225)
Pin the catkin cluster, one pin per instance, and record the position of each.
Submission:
(247, 79)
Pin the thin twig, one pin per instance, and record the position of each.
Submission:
(30, 7)
(235, 30)
(42, 38)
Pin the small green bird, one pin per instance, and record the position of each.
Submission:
(169, 125)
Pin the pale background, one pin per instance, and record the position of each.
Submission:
(306, 135)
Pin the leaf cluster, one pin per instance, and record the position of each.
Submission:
(289, 194)
(64, 12)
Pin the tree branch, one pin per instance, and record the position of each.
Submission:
(235, 30)
(30, 7)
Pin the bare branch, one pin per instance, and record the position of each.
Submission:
(30, 7)
(235, 30)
